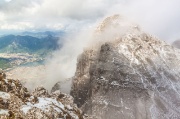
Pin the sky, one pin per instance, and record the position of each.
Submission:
(158, 17)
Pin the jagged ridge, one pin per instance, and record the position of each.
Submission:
(17, 103)
(130, 75)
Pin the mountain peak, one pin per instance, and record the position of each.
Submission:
(117, 22)
(130, 74)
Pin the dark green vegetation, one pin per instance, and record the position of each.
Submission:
(4, 63)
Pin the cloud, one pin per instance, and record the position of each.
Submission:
(158, 17)
(16, 6)
(17, 26)
(7, 0)
(62, 64)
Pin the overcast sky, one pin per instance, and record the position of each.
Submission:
(159, 17)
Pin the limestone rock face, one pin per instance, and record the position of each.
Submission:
(132, 75)
(17, 103)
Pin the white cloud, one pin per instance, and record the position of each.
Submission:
(16, 26)
(2, 17)
(157, 17)
(7, 0)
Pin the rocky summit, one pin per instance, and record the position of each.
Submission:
(17, 103)
(128, 75)
(176, 44)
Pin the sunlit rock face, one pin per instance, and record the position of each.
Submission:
(131, 75)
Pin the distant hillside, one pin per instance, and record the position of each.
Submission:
(42, 34)
(28, 44)
(28, 47)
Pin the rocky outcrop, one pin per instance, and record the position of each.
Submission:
(128, 75)
(17, 103)
(63, 86)
(176, 44)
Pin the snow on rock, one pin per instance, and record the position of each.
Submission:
(17, 103)
(4, 95)
(141, 74)
(4, 112)
(44, 104)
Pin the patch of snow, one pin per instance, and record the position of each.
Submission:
(127, 108)
(122, 102)
(105, 102)
(115, 83)
(102, 78)
(86, 76)
(74, 116)
(13, 84)
(6, 80)
(69, 107)
(25, 108)
(124, 49)
(44, 104)
(4, 112)
(4, 95)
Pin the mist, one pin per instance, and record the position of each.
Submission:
(159, 18)
(62, 64)
(61, 67)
